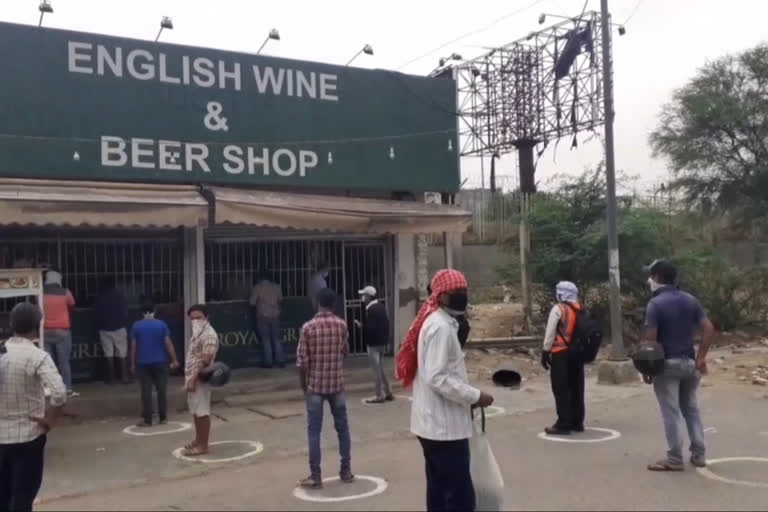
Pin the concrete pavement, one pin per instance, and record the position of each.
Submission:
(106, 469)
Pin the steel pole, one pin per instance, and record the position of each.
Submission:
(262, 45)
(617, 340)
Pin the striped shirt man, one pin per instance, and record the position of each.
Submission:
(442, 396)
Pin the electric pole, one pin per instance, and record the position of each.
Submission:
(617, 340)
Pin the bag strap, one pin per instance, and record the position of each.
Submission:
(482, 418)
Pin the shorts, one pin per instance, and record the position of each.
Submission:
(199, 400)
(114, 343)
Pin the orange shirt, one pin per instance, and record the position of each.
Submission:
(56, 306)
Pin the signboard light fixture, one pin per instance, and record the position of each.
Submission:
(45, 7)
(274, 35)
(165, 23)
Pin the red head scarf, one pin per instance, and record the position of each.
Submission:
(407, 362)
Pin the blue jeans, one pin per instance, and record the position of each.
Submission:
(676, 392)
(269, 332)
(58, 343)
(315, 426)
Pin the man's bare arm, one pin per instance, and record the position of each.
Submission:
(707, 336)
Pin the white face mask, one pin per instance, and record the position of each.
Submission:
(198, 325)
(653, 285)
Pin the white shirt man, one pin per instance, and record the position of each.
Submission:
(25, 371)
(442, 396)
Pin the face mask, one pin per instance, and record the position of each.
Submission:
(653, 285)
(463, 330)
(457, 302)
(198, 325)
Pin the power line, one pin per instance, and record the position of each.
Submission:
(472, 33)
(634, 11)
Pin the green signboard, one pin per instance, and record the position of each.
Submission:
(87, 106)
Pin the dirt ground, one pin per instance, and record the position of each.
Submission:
(498, 320)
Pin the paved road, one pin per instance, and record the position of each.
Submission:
(94, 466)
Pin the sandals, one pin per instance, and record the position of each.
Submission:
(665, 465)
(195, 451)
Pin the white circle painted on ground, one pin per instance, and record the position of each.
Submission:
(493, 411)
(380, 483)
(363, 400)
(181, 426)
(257, 448)
(612, 434)
(747, 483)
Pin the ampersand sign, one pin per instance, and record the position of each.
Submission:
(213, 119)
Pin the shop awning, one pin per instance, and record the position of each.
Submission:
(85, 203)
(334, 213)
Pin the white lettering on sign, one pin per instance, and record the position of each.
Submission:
(146, 65)
(76, 56)
(169, 155)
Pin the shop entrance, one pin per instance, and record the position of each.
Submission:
(233, 265)
(364, 265)
(145, 268)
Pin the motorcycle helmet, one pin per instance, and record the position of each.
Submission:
(649, 358)
(217, 374)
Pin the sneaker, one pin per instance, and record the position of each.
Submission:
(312, 482)
(375, 400)
(346, 476)
(390, 397)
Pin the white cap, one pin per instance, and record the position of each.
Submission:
(368, 290)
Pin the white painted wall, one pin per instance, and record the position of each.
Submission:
(405, 292)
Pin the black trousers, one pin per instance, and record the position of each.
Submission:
(567, 376)
(153, 375)
(21, 473)
(449, 483)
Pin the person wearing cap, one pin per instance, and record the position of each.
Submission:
(57, 307)
(673, 317)
(566, 372)
(375, 326)
(431, 360)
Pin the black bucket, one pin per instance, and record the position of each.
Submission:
(507, 379)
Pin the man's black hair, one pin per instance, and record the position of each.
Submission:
(198, 307)
(326, 298)
(664, 271)
(25, 318)
(147, 307)
(323, 265)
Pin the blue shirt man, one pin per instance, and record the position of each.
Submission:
(676, 315)
(673, 318)
(149, 336)
(152, 349)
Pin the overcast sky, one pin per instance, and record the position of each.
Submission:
(666, 41)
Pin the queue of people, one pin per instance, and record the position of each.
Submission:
(430, 360)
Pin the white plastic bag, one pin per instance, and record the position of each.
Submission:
(486, 475)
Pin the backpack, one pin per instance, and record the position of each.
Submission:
(587, 335)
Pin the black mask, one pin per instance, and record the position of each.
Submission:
(457, 301)
(463, 329)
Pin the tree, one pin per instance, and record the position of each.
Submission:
(715, 134)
